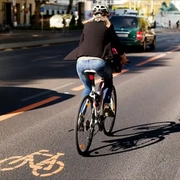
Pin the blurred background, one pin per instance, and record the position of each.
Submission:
(37, 13)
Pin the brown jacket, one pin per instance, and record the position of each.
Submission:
(96, 41)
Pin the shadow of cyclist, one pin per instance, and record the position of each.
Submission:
(140, 136)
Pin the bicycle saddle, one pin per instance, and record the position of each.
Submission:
(90, 71)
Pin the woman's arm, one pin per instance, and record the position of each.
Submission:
(116, 44)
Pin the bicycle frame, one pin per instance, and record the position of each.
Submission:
(97, 96)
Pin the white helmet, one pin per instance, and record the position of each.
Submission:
(101, 9)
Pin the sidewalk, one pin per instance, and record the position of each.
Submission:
(32, 38)
(18, 39)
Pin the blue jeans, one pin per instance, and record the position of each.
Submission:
(102, 68)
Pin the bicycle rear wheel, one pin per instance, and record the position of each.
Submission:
(110, 120)
(84, 129)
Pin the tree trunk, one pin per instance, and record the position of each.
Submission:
(79, 13)
(38, 4)
(70, 6)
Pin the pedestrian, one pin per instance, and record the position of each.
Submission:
(169, 23)
(95, 51)
(64, 22)
(73, 21)
(155, 24)
(177, 24)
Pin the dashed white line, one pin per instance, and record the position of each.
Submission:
(45, 58)
(177, 177)
(46, 92)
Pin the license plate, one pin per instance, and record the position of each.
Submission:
(122, 35)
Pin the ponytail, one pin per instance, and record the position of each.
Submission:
(98, 18)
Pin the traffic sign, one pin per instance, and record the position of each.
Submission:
(41, 9)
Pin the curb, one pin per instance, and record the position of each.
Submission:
(23, 45)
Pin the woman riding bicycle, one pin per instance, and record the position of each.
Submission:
(95, 49)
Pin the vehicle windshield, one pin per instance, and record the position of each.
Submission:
(124, 21)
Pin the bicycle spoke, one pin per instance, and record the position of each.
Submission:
(84, 128)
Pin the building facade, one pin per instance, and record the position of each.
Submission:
(19, 12)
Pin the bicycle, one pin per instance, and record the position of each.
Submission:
(93, 105)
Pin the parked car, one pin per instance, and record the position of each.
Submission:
(134, 30)
(4, 28)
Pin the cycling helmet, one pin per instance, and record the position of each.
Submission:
(100, 9)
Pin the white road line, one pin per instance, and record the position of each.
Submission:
(177, 177)
(8, 49)
(46, 92)
(45, 58)
(65, 85)
(45, 45)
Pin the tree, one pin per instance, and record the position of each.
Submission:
(70, 6)
(38, 4)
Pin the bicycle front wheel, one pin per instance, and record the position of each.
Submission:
(110, 120)
(84, 128)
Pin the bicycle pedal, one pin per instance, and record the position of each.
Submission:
(101, 126)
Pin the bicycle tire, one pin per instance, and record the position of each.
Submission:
(111, 120)
(83, 126)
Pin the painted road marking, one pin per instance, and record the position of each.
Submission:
(65, 85)
(46, 92)
(177, 177)
(8, 49)
(26, 108)
(174, 50)
(32, 106)
(45, 58)
(47, 167)
(45, 45)
(126, 70)
(151, 59)
(157, 57)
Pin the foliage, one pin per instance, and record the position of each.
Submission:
(70, 6)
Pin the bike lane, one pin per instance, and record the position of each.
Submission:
(79, 88)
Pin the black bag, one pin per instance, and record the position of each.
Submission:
(116, 63)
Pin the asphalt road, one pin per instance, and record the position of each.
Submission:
(39, 98)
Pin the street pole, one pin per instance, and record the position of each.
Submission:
(25, 22)
(79, 13)
(14, 18)
(42, 23)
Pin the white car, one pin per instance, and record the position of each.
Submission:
(56, 20)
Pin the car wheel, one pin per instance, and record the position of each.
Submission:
(153, 45)
(143, 47)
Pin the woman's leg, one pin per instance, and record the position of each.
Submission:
(82, 65)
(104, 70)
